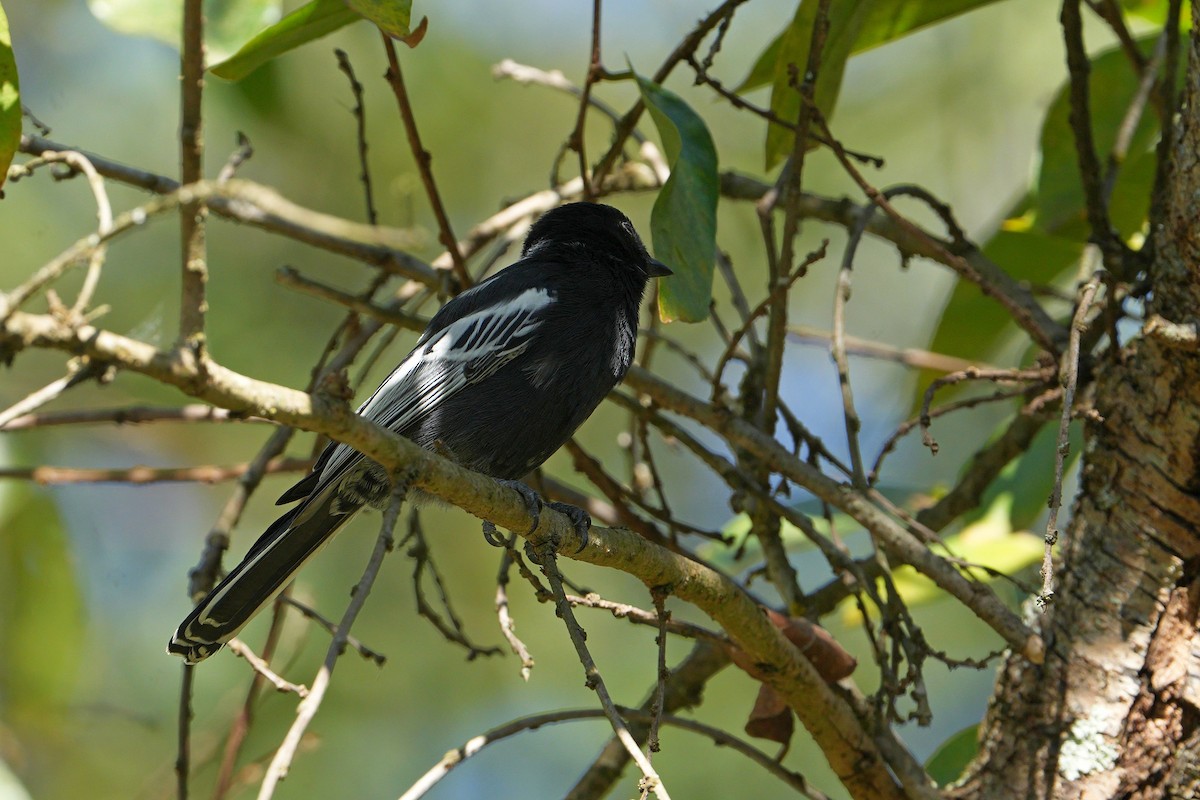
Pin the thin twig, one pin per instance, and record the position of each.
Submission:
(240, 155)
(923, 420)
(619, 495)
(504, 615)
(1069, 375)
(913, 357)
(684, 690)
(360, 118)
(126, 415)
(576, 140)
(1110, 12)
(525, 74)
(766, 114)
(307, 709)
(983, 468)
(685, 48)
(239, 728)
(760, 391)
(994, 282)
(783, 268)
(286, 276)
(78, 371)
(1133, 115)
(183, 751)
(209, 473)
(972, 373)
(457, 756)
(331, 627)
(837, 349)
(423, 159)
(640, 616)
(81, 164)
(423, 562)
(651, 782)
(659, 596)
(780, 289)
(1080, 117)
(260, 666)
(193, 303)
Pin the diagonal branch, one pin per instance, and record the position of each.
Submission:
(265, 208)
(850, 749)
(421, 156)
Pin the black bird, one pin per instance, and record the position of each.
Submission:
(503, 375)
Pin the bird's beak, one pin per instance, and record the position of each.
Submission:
(657, 269)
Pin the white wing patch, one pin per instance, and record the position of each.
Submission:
(464, 352)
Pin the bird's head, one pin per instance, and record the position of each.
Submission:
(600, 231)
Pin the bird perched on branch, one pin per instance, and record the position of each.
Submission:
(503, 375)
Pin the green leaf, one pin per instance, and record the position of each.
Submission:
(947, 763)
(845, 21)
(311, 21)
(683, 224)
(886, 21)
(10, 100)
(974, 326)
(1024, 485)
(1155, 11)
(1059, 203)
(763, 70)
(392, 17)
(41, 606)
(893, 19)
(228, 23)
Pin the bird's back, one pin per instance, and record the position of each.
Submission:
(507, 423)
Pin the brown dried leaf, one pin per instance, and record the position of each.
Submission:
(771, 717)
(828, 657)
(818, 646)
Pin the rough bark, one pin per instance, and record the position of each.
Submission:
(1115, 710)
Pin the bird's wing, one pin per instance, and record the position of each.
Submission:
(446, 359)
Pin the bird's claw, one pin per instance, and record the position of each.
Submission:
(492, 536)
(533, 503)
(580, 520)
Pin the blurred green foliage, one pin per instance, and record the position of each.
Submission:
(228, 23)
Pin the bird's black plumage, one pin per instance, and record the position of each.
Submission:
(502, 376)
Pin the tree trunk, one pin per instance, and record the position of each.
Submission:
(1115, 710)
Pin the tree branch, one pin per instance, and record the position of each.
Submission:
(850, 749)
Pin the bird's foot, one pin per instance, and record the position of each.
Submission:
(580, 519)
(533, 503)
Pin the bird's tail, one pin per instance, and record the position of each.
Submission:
(278, 554)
